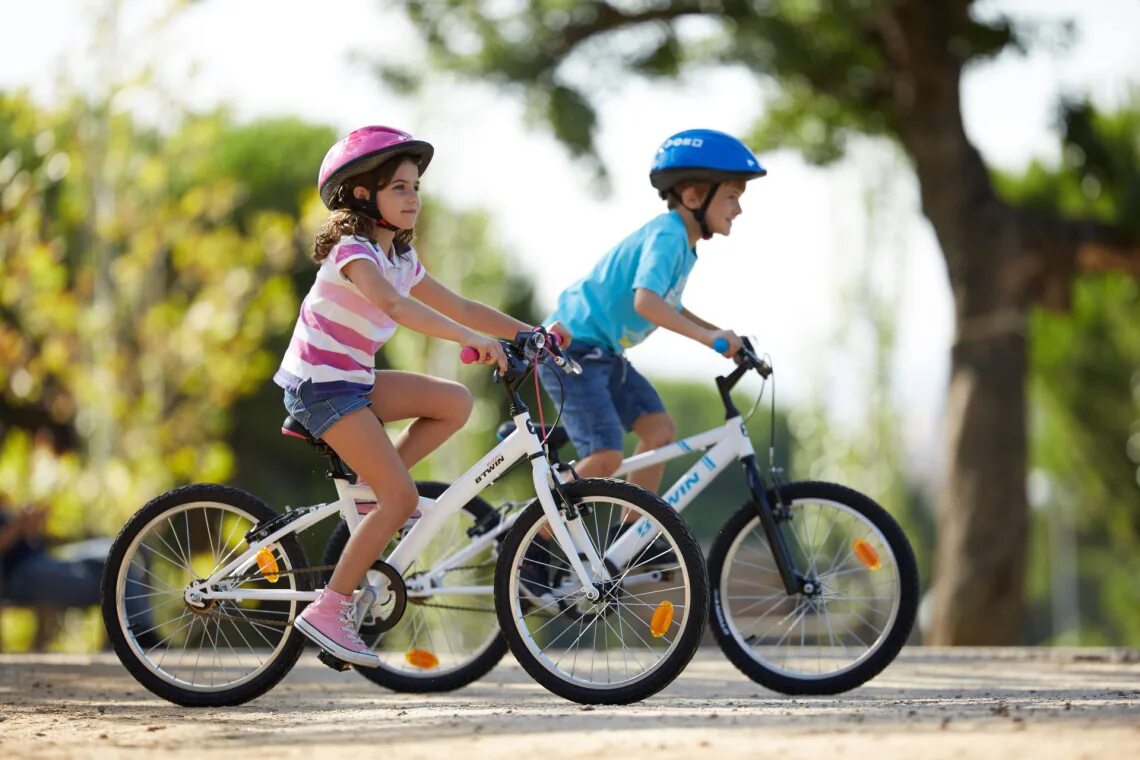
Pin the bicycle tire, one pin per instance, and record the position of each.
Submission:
(514, 608)
(147, 664)
(735, 583)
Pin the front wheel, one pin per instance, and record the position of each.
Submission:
(860, 607)
(639, 635)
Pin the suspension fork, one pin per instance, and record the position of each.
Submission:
(793, 582)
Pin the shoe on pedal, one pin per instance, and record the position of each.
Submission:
(534, 572)
(330, 623)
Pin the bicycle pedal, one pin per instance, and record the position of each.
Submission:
(332, 661)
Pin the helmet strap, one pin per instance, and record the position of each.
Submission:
(368, 206)
(699, 213)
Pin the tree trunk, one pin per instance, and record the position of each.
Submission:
(982, 508)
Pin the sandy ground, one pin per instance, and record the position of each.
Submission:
(992, 703)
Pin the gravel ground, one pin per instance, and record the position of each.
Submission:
(931, 703)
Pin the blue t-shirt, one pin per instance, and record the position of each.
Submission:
(598, 309)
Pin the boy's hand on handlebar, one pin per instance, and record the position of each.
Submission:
(729, 336)
(490, 350)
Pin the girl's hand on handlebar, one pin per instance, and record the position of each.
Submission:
(559, 329)
(490, 350)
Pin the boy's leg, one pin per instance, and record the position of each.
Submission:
(439, 408)
(588, 410)
(643, 413)
(653, 431)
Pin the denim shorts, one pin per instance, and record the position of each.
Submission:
(602, 402)
(318, 415)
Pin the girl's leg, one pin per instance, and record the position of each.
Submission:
(439, 408)
(361, 442)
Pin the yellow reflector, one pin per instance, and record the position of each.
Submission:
(867, 554)
(267, 563)
(662, 619)
(422, 659)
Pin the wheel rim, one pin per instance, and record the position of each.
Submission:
(434, 638)
(203, 652)
(609, 644)
(820, 636)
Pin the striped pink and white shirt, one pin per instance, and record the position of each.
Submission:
(339, 331)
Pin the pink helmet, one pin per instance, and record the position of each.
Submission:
(363, 150)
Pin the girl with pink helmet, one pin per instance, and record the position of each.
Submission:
(369, 281)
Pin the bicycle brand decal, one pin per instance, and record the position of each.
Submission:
(498, 461)
(683, 489)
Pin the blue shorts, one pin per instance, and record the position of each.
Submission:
(319, 415)
(602, 402)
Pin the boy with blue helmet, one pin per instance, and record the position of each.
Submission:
(636, 288)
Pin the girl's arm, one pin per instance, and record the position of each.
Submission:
(366, 276)
(475, 315)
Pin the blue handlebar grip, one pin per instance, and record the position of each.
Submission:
(720, 345)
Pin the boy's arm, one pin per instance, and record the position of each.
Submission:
(693, 317)
(657, 310)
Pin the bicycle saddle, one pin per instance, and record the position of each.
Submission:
(294, 429)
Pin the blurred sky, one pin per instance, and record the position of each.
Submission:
(792, 270)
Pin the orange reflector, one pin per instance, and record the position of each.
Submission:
(267, 563)
(867, 554)
(421, 658)
(662, 619)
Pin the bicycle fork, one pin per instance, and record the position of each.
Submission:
(569, 532)
(794, 583)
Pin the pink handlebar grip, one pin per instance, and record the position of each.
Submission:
(556, 339)
(468, 355)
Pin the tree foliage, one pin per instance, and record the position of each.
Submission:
(134, 312)
(1085, 376)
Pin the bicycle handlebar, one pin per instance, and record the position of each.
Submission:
(746, 356)
(527, 346)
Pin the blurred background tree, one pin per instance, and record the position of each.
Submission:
(1085, 385)
(886, 68)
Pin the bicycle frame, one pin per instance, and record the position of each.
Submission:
(523, 443)
(721, 445)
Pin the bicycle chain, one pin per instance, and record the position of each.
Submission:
(274, 623)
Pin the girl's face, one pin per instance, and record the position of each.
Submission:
(399, 200)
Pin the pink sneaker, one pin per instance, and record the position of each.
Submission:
(329, 622)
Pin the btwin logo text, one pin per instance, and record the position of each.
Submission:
(490, 468)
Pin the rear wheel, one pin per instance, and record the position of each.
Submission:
(443, 641)
(226, 652)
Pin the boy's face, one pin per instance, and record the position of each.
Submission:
(724, 208)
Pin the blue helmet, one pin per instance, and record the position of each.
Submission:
(704, 155)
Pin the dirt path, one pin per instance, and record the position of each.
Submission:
(1012, 703)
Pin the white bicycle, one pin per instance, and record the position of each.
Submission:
(814, 586)
(225, 577)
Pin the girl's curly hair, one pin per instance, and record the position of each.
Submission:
(345, 221)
